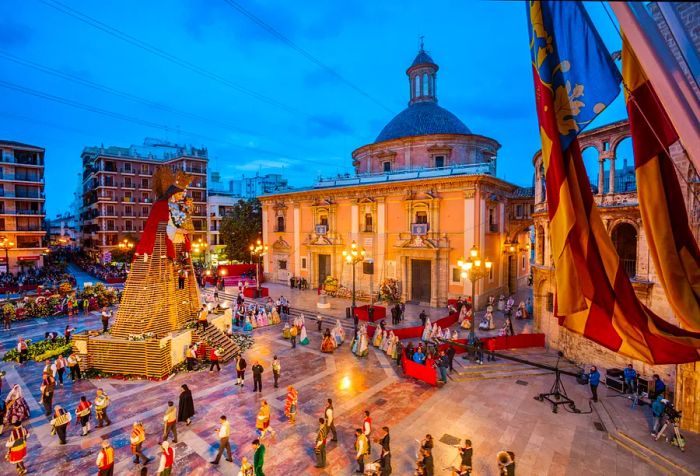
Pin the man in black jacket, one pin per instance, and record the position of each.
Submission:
(450, 352)
(257, 376)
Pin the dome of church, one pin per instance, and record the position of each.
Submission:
(422, 118)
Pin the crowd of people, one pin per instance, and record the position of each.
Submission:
(49, 276)
(101, 271)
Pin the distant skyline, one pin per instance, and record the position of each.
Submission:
(294, 93)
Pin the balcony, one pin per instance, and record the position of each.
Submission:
(24, 228)
(23, 212)
(22, 178)
(128, 200)
(368, 229)
(36, 195)
(22, 160)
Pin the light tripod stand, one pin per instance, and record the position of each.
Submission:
(557, 394)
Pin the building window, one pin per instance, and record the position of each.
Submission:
(303, 263)
(493, 225)
(280, 223)
(368, 223)
(491, 273)
(282, 264)
(127, 182)
(144, 169)
(128, 211)
(144, 211)
(425, 84)
(127, 167)
(387, 166)
(439, 161)
(456, 275)
(144, 183)
(524, 260)
(518, 211)
(323, 220)
(128, 226)
(624, 238)
(421, 217)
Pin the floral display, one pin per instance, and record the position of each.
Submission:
(40, 351)
(330, 285)
(243, 341)
(389, 290)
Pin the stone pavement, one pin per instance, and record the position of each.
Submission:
(496, 413)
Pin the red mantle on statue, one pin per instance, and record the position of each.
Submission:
(250, 292)
(362, 313)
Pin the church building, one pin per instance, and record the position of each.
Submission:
(424, 193)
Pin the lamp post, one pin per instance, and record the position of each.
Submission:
(259, 249)
(125, 244)
(474, 268)
(199, 247)
(6, 245)
(353, 256)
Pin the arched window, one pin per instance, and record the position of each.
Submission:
(624, 238)
(323, 219)
(280, 223)
(425, 84)
(421, 217)
(417, 87)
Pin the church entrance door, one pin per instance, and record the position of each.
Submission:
(420, 280)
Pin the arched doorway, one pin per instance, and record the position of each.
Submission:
(624, 238)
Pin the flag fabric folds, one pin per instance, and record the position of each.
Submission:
(671, 243)
(575, 79)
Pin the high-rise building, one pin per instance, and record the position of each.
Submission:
(251, 187)
(117, 190)
(21, 206)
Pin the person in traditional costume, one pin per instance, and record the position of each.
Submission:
(274, 316)
(59, 423)
(303, 338)
(378, 337)
(467, 322)
(426, 331)
(446, 334)
(101, 404)
(462, 314)
(248, 326)
(501, 303)
(136, 439)
(185, 407)
(16, 408)
(167, 460)
(338, 333)
(290, 404)
(17, 447)
(386, 341)
(487, 321)
(327, 344)
(105, 459)
(262, 423)
(285, 331)
(363, 343)
(82, 412)
(396, 350)
(246, 468)
(389, 343)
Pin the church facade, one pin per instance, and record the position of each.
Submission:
(424, 193)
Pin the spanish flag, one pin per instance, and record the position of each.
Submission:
(671, 243)
(575, 79)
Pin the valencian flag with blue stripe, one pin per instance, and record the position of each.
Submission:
(575, 79)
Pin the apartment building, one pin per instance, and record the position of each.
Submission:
(117, 190)
(219, 205)
(22, 211)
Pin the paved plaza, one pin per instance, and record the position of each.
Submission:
(493, 405)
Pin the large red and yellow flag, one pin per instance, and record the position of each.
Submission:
(575, 79)
(671, 243)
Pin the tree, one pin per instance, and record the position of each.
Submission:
(241, 228)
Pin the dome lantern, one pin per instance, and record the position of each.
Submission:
(422, 78)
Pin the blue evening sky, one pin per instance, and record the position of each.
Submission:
(272, 109)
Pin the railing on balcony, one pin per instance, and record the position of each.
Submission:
(21, 194)
(23, 212)
(368, 228)
(22, 177)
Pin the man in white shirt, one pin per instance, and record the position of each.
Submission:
(223, 433)
(330, 422)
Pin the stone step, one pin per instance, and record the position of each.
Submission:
(495, 374)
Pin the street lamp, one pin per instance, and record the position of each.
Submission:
(353, 256)
(198, 247)
(6, 245)
(474, 268)
(258, 250)
(125, 244)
